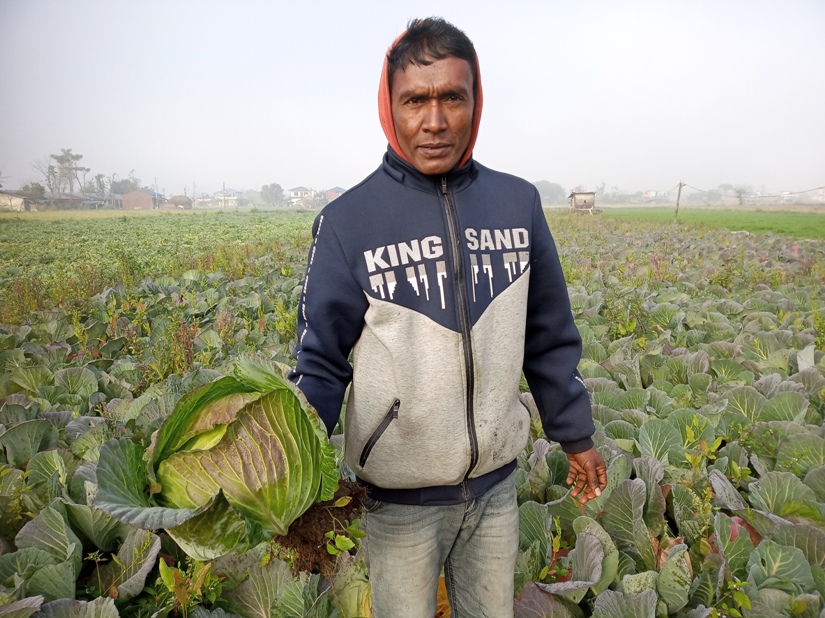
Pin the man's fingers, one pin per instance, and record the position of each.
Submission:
(602, 472)
(594, 482)
(576, 478)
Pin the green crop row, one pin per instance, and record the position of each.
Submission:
(704, 356)
(48, 260)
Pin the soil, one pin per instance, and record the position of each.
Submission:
(306, 534)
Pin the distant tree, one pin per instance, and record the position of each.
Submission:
(96, 187)
(551, 192)
(741, 191)
(51, 178)
(252, 197)
(124, 185)
(321, 199)
(100, 186)
(69, 169)
(33, 190)
(273, 194)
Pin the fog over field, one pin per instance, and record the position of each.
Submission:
(632, 95)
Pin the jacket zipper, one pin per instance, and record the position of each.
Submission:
(464, 325)
(391, 414)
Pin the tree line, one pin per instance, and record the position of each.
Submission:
(64, 174)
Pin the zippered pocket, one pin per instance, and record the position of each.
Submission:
(391, 414)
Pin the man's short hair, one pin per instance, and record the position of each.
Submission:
(429, 39)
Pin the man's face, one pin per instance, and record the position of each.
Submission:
(432, 108)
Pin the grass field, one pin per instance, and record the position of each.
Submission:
(793, 224)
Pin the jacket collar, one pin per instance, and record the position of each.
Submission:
(401, 171)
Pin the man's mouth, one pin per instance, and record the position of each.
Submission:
(434, 150)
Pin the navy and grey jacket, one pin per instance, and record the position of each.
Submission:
(443, 289)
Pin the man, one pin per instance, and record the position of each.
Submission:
(441, 278)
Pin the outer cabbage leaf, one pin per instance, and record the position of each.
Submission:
(529, 564)
(612, 604)
(21, 609)
(779, 566)
(77, 380)
(801, 453)
(184, 481)
(651, 471)
(533, 527)
(268, 375)
(586, 563)
(69, 608)
(136, 558)
(725, 494)
(673, 584)
(24, 562)
(610, 563)
(22, 441)
(747, 401)
(43, 465)
(773, 603)
(32, 378)
(101, 529)
(54, 581)
(633, 583)
(51, 533)
(200, 410)
(785, 406)
(687, 506)
(734, 543)
(270, 463)
(352, 594)
(533, 602)
(624, 521)
(213, 533)
(809, 540)
(122, 482)
(783, 494)
(815, 479)
(709, 582)
(262, 594)
(661, 440)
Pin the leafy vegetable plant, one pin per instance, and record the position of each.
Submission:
(238, 459)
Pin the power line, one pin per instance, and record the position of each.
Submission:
(659, 194)
(760, 196)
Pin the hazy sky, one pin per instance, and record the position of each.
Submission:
(636, 94)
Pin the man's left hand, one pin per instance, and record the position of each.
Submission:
(589, 472)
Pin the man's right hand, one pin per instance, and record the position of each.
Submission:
(589, 472)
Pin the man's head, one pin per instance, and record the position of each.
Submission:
(433, 94)
(431, 39)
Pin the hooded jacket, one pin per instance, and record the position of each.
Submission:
(443, 289)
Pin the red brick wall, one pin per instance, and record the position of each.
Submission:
(136, 200)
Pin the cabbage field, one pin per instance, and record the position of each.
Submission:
(154, 461)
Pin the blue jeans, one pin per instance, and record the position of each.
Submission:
(476, 542)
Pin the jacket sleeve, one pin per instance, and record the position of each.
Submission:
(553, 347)
(330, 319)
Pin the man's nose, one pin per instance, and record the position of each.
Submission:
(435, 119)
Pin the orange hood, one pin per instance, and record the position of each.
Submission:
(385, 108)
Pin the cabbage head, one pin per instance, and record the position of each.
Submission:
(238, 460)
